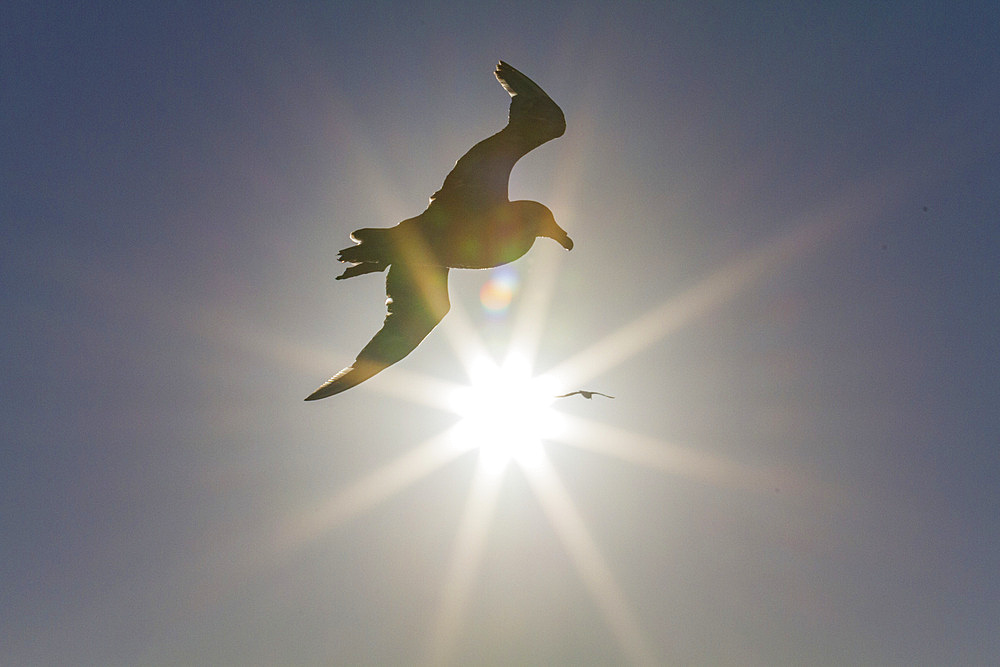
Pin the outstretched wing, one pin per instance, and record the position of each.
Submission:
(417, 301)
(479, 179)
(572, 393)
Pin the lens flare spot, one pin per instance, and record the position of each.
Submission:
(498, 292)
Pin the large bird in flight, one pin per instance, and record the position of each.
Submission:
(469, 224)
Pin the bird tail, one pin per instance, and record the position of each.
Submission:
(371, 254)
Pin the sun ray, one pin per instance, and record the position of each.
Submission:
(463, 337)
(587, 559)
(414, 387)
(356, 141)
(712, 292)
(688, 462)
(465, 558)
(529, 321)
(372, 489)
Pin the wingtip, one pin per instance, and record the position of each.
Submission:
(334, 385)
(318, 394)
(349, 377)
(327, 390)
(502, 72)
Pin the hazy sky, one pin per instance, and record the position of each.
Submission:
(787, 271)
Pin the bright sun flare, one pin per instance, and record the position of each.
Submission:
(506, 413)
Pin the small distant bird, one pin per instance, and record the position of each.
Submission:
(469, 224)
(586, 394)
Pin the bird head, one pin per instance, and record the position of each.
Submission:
(543, 222)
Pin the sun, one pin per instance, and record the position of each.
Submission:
(506, 413)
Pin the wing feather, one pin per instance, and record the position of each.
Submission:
(479, 179)
(417, 301)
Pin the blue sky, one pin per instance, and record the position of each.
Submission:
(786, 271)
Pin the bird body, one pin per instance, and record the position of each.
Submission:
(441, 236)
(469, 224)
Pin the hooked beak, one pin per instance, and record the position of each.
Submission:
(565, 241)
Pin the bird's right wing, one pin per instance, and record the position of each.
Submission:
(479, 179)
(417, 301)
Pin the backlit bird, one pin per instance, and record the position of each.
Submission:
(469, 224)
(586, 394)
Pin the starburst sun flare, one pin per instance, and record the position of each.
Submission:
(505, 412)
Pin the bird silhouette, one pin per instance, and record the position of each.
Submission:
(469, 224)
(586, 394)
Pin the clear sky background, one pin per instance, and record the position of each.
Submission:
(787, 271)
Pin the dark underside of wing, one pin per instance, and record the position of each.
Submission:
(534, 117)
(417, 301)
(479, 179)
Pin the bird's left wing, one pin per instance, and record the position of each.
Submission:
(417, 301)
(480, 177)
(572, 393)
